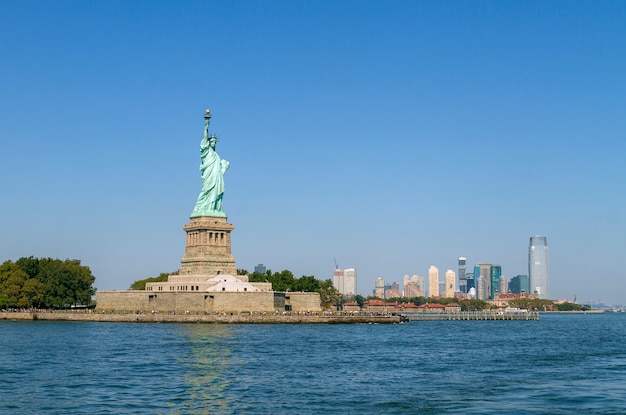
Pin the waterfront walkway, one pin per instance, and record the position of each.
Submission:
(223, 318)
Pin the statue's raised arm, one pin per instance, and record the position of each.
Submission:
(213, 168)
(207, 121)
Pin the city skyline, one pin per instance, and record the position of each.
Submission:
(390, 136)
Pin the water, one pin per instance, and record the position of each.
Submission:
(561, 364)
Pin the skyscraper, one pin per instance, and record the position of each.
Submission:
(338, 280)
(450, 284)
(471, 283)
(519, 284)
(344, 281)
(483, 289)
(393, 291)
(433, 281)
(462, 276)
(495, 272)
(379, 288)
(538, 266)
(413, 286)
(349, 282)
(502, 285)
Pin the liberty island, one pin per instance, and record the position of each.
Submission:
(207, 287)
(207, 281)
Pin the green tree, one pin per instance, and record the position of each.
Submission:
(307, 283)
(17, 289)
(141, 284)
(421, 300)
(33, 293)
(359, 300)
(533, 304)
(242, 271)
(329, 295)
(282, 281)
(473, 304)
(12, 279)
(568, 307)
(29, 265)
(260, 276)
(65, 282)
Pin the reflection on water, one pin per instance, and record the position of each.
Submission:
(205, 369)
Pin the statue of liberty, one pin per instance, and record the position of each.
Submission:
(213, 168)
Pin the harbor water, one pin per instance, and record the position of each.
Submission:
(559, 364)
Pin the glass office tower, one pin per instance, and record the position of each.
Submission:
(495, 272)
(538, 266)
(462, 276)
(519, 284)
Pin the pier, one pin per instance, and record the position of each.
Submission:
(475, 315)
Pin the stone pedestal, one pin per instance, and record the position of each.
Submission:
(208, 247)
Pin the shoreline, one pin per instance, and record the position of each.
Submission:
(200, 318)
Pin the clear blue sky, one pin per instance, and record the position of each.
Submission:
(390, 135)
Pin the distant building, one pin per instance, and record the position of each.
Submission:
(260, 269)
(502, 300)
(338, 279)
(421, 283)
(462, 275)
(344, 281)
(471, 283)
(412, 286)
(495, 272)
(490, 274)
(538, 266)
(519, 284)
(379, 288)
(450, 284)
(502, 285)
(433, 281)
(483, 289)
(349, 281)
(471, 293)
(393, 291)
(411, 290)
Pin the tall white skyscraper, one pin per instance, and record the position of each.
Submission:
(349, 282)
(450, 284)
(338, 279)
(538, 266)
(433, 281)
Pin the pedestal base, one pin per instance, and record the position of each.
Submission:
(208, 249)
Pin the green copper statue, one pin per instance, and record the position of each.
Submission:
(213, 168)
